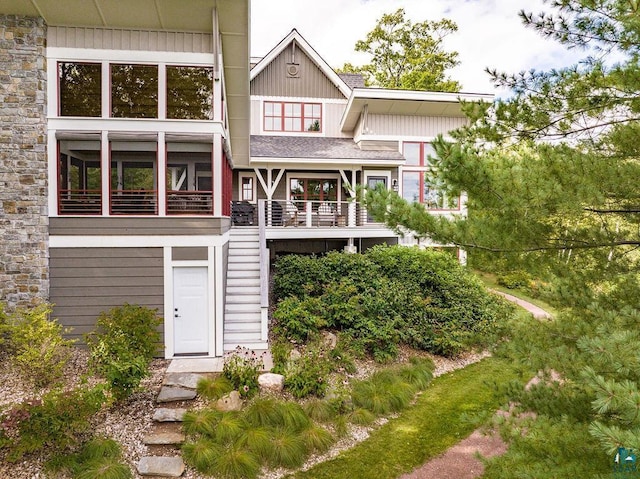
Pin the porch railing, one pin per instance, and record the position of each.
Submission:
(134, 202)
(80, 202)
(189, 202)
(301, 214)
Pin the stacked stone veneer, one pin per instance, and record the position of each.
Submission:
(24, 276)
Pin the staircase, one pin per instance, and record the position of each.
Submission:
(243, 315)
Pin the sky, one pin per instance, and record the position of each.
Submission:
(490, 33)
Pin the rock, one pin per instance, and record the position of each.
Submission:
(184, 380)
(160, 466)
(164, 414)
(294, 355)
(230, 402)
(161, 438)
(170, 394)
(330, 340)
(271, 381)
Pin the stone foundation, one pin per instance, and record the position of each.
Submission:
(24, 276)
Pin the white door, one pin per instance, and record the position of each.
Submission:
(190, 311)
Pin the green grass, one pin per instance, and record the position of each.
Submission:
(438, 420)
(489, 281)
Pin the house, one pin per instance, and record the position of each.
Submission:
(142, 160)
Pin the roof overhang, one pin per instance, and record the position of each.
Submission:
(325, 163)
(405, 102)
(167, 15)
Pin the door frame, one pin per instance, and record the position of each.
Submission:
(207, 313)
(366, 174)
(215, 299)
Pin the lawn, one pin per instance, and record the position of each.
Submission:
(443, 415)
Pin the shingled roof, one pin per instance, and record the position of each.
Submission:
(315, 147)
(353, 80)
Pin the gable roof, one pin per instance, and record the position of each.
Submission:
(310, 52)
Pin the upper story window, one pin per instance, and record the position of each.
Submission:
(189, 93)
(80, 89)
(417, 153)
(134, 91)
(290, 116)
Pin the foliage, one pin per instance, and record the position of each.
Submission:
(39, 350)
(242, 368)
(437, 420)
(387, 296)
(307, 375)
(52, 424)
(99, 458)
(267, 432)
(123, 345)
(515, 279)
(5, 328)
(214, 388)
(407, 55)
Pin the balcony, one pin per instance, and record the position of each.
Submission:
(80, 202)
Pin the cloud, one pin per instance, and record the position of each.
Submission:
(490, 33)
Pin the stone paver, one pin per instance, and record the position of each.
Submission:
(163, 414)
(171, 394)
(163, 438)
(161, 466)
(183, 380)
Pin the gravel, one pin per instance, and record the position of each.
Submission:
(128, 422)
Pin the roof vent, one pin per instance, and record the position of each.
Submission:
(293, 70)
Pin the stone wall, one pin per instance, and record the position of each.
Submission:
(24, 276)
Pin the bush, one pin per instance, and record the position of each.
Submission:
(514, 279)
(52, 424)
(242, 367)
(123, 345)
(299, 320)
(97, 459)
(307, 375)
(39, 350)
(5, 328)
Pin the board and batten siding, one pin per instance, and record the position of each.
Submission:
(137, 40)
(409, 126)
(310, 82)
(87, 281)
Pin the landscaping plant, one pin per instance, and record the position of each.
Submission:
(122, 347)
(242, 368)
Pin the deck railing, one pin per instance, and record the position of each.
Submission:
(301, 214)
(80, 202)
(134, 202)
(189, 202)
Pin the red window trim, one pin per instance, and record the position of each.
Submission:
(421, 182)
(282, 116)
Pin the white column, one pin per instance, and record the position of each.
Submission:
(105, 171)
(218, 172)
(162, 174)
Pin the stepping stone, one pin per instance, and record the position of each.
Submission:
(163, 414)
(160, 466)
(170, 394)
(184, 380)
(163, 438)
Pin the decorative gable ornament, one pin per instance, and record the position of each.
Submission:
(293, 70)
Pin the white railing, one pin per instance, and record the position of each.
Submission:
(314, 214)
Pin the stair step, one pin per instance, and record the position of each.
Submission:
(235, 245)
(242, 316)
(242, 336)
(248, 282)
(245, 258)
(244, 273)
(172, 394)
(164, 414)
(240, 308)
(231, 345)
(243, 290)
(160, 466)
(248, 326)
(245, 299)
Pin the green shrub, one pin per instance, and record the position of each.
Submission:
(97, 459)
(5, 327)
(514, 279)
(123, 345)
(280, 353)
(296, 275)
(307, 375)
(298, 320)
(202, 454)
(316, 439)
(242, 367)
(52, 424)
(201, 423)
(39, 350)
(214, 388)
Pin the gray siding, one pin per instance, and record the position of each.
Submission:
(110, 226)
(189, 254)
(87, 281)
(311, 82)
(116, 39)
(406, 126)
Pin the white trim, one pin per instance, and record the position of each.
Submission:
(142, 57)
(193, 263)
(216, 268)
(252, 175)
(162, 174)
(52, 167)
(136, 241)
(299, 99)
(168, 303)
(138, 125)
